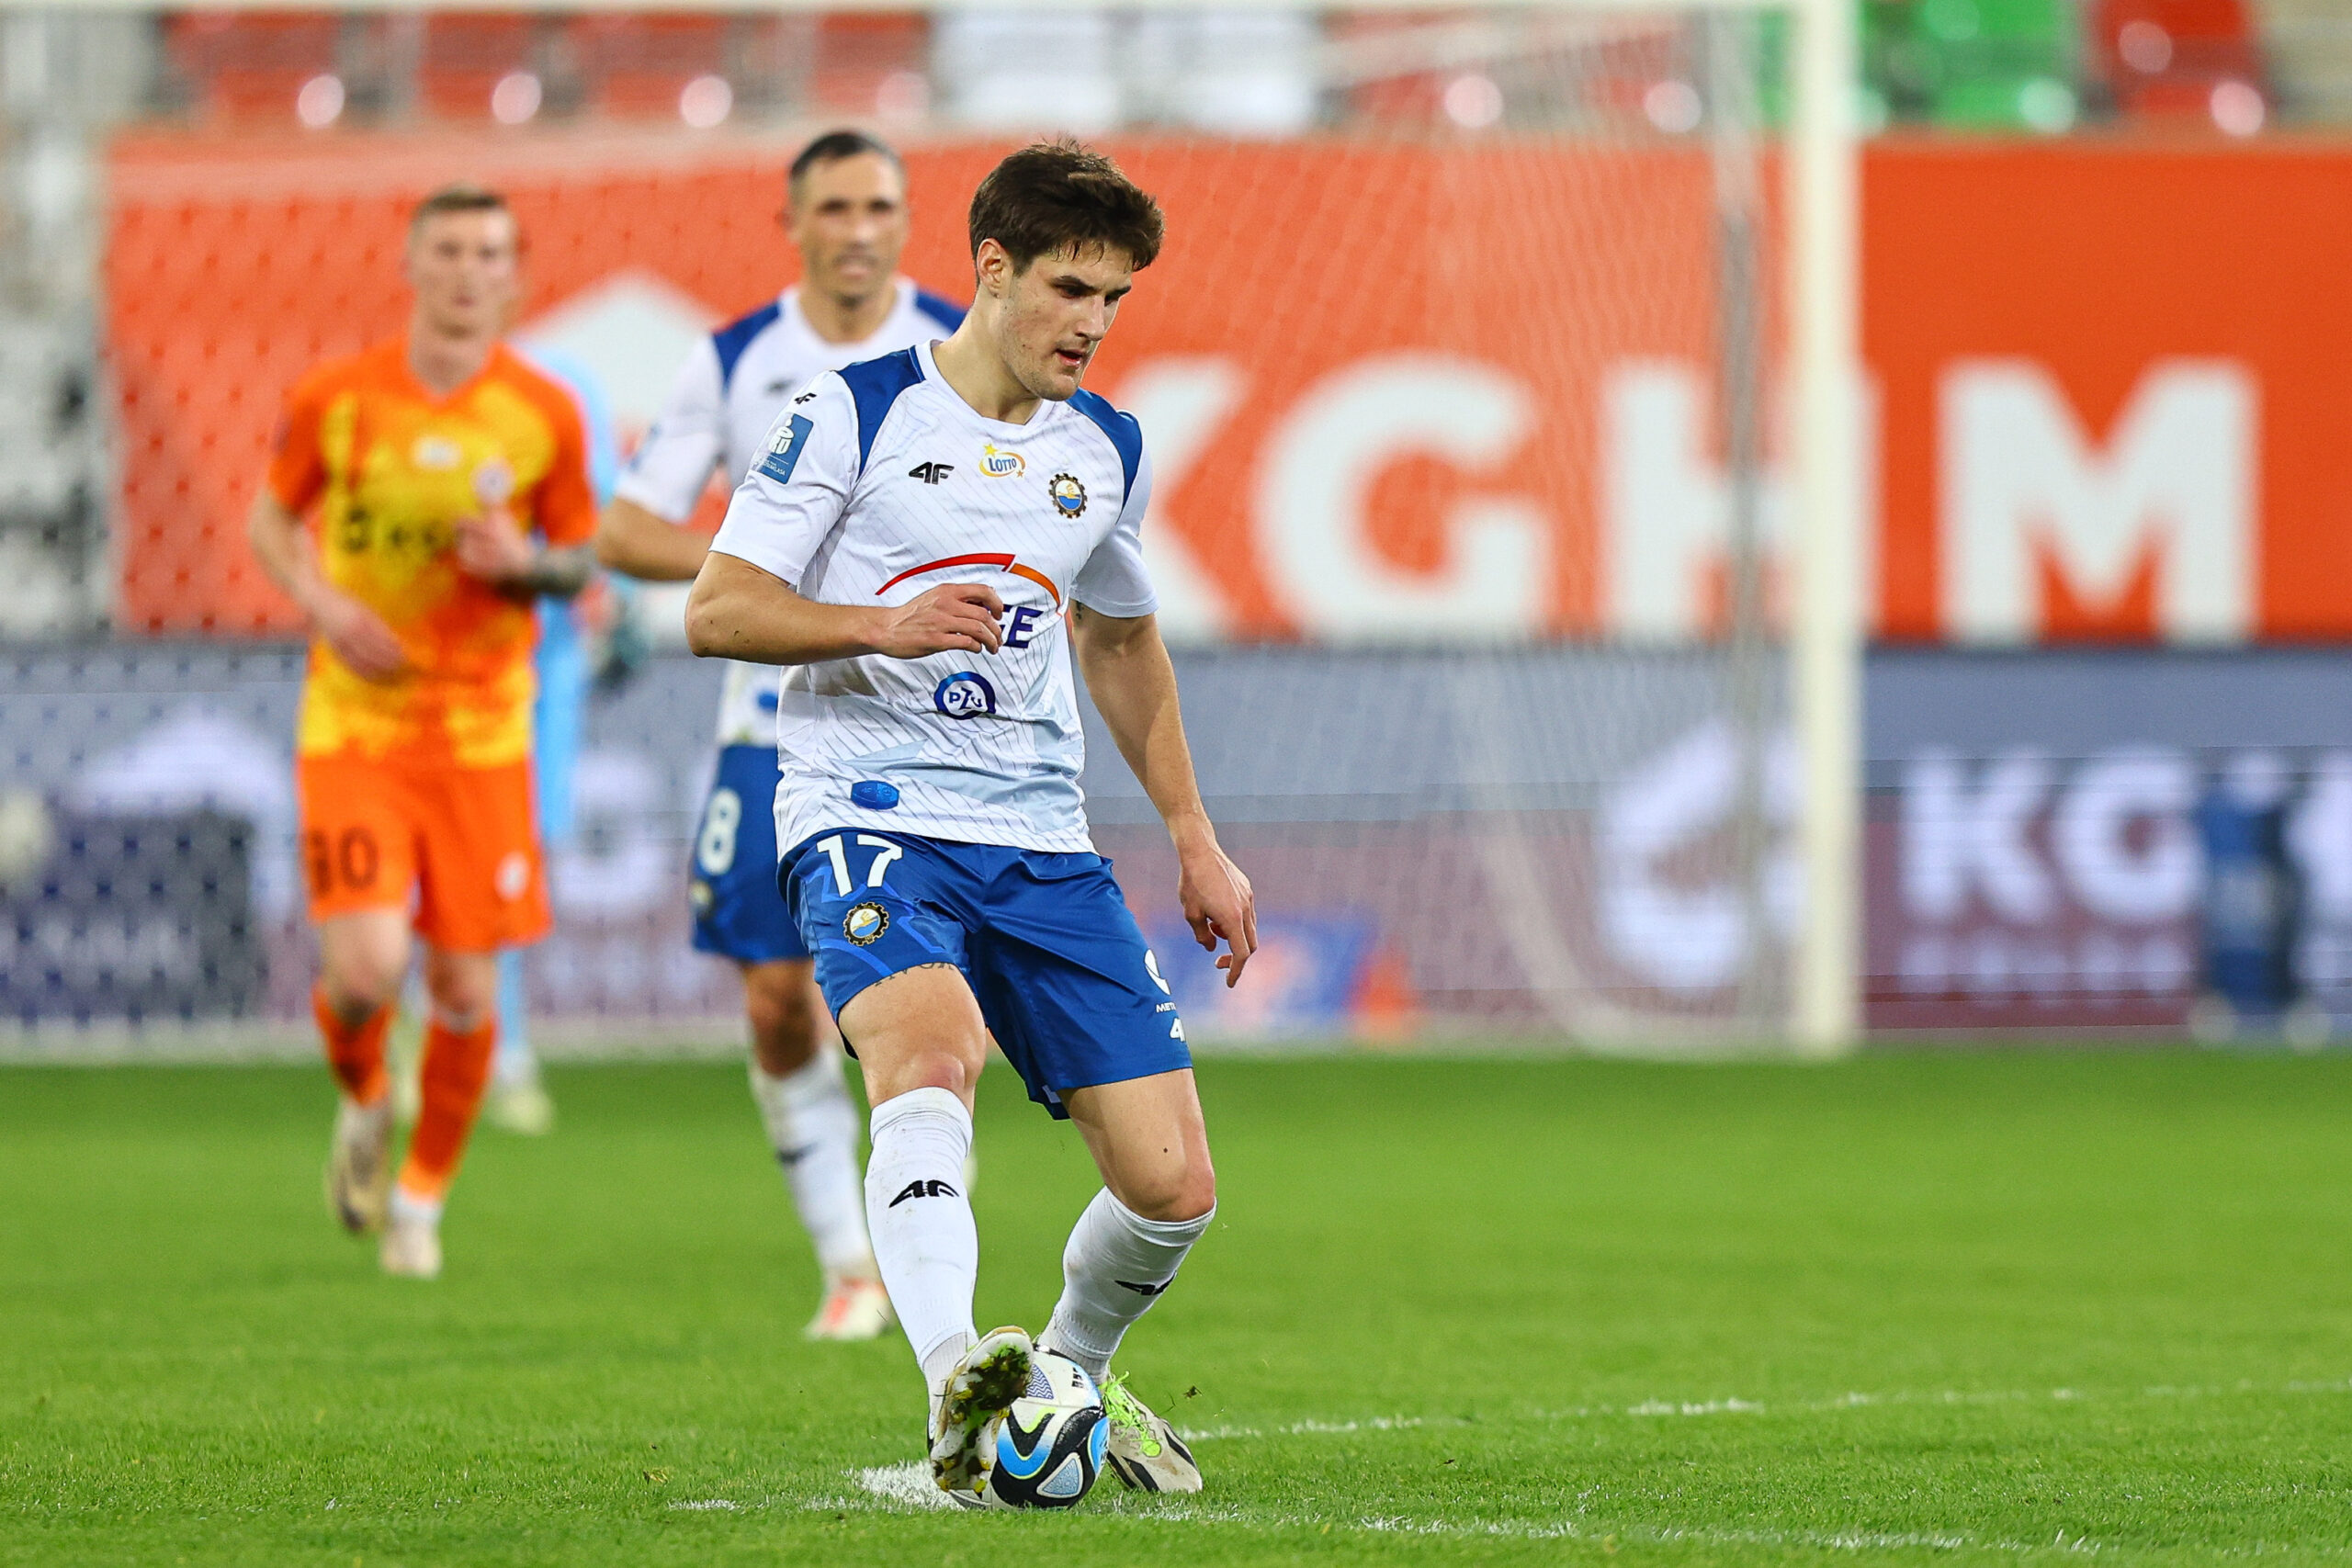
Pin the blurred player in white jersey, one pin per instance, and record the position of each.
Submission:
(846, 212)
(927, 541)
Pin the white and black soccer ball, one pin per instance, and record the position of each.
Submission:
(1049, 1445)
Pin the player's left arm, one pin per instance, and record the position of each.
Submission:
(1114, 631)
(1132, 684)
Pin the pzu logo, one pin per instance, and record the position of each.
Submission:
(965, 696)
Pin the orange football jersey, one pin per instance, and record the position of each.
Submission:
(387, 470)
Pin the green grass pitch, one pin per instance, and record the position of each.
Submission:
(1904, 1308)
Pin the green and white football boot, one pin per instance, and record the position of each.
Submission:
(992, 1374)
(1145, 1450)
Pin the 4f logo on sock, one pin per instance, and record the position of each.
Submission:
(1146, 1290)
(931, 1189)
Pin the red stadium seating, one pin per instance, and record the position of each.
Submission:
(636, 66)
(2163, 59)
(857, 52)
(248, 65)
(466, 53)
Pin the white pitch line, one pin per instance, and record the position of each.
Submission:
(907, 1488)
(1736, 1406)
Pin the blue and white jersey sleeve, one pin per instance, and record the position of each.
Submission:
(673, 464)
(800, 485)
(1113, 581)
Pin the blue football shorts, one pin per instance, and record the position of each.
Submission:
(738, 912)
(1062, 973)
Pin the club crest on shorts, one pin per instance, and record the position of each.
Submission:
(1069, 495)
(866, 923)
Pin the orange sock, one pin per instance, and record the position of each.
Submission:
(456, 1071)
(355, 1051)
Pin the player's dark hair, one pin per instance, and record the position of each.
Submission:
(456, 198)
(1059, 196)
(835, 145)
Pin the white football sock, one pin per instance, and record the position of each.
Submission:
(1116, 1266)
(812, 1124)
(409, 1209)
(922, 1221)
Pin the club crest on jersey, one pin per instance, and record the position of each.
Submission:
(494, 483)
(1000, 464)
(965, 696)
(866, 923)
(1069, 496)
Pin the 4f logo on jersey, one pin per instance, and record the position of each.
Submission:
(931, 473)
(998, 464)
(931, 1189)
(1069, 496)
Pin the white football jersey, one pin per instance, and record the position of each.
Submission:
(879, 482)
(726, 395)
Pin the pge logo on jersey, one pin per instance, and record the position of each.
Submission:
(965, 696)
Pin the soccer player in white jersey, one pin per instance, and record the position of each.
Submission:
(928, 541)
(846, 212)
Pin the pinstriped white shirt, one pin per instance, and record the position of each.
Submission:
(726, 396)
(879, 482)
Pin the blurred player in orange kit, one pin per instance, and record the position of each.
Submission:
(400, 511)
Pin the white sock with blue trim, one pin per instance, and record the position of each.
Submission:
(922, 1221)
(1116, 1265)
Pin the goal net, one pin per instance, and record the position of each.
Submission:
(1469, 372)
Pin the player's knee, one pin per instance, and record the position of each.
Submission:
(464, 990)
(359, 982)
(1181, 1190)
(894, 1067)
(786, 1021)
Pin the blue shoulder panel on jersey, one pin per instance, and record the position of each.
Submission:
(736, 336)
(876, 385)
(1125, 435)
(946, 312)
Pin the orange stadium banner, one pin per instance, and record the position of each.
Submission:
(1396, 392)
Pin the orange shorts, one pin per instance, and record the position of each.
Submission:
(462, 844)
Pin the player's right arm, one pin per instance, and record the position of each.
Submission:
(642, 531)
(744, 604)
(739, 611)
(359, 636)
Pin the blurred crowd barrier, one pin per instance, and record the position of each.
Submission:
(1530, 844)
